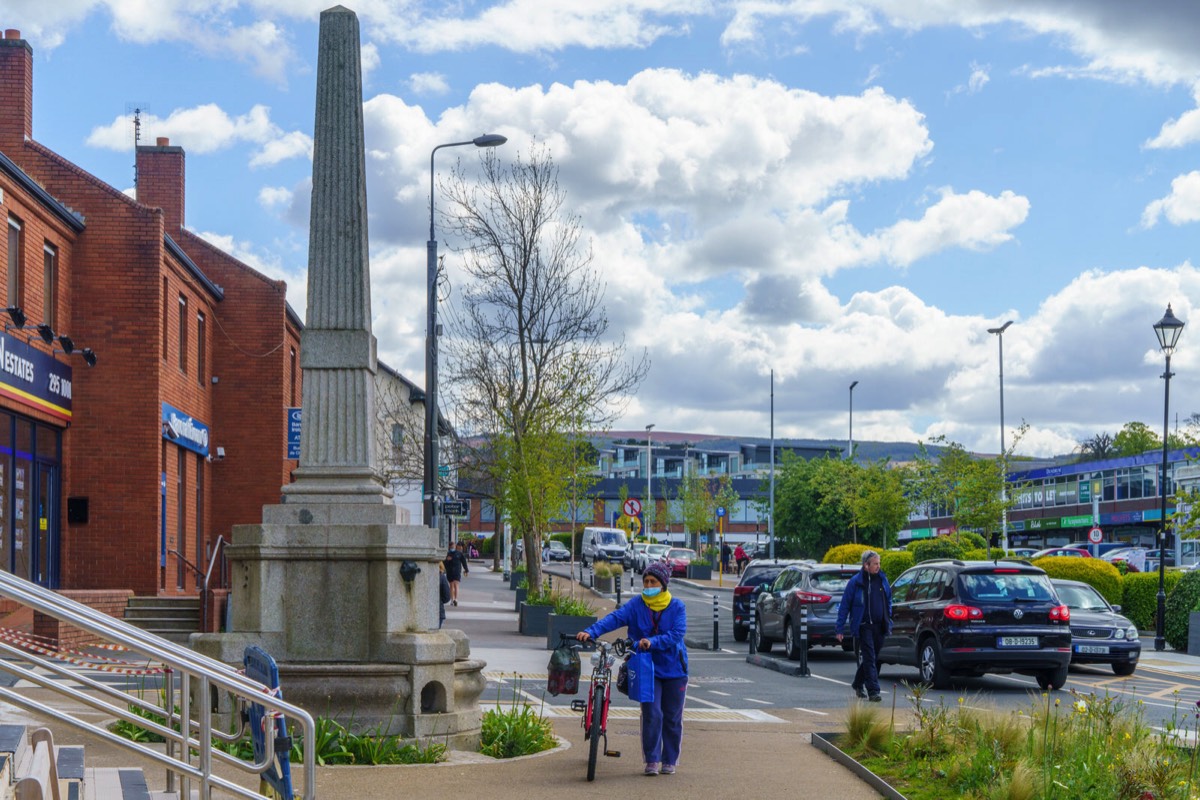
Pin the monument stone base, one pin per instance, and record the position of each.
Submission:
(320, 587)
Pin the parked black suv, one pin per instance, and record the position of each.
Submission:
(755, 575)
(968, 618)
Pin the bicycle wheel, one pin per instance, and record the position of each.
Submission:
(594, 728)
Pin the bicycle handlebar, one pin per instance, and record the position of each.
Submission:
(619, 646)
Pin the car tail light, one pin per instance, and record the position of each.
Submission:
(812, 597)
(740, 590)
(1006, 571)
(1061, 613)
(960, 612)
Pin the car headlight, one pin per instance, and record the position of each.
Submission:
(1131, 633)
(1119, 633)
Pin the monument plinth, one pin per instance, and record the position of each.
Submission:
(334, 583)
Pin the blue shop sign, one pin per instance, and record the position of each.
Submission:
(184, 430)
(34, 378)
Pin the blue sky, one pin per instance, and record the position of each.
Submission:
(835, 190)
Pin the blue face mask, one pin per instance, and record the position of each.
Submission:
(650, 591)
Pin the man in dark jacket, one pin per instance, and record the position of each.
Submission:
(867, 605)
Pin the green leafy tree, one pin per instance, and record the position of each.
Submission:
(1097, 447)
(805, 525)
(726, 497)
(882, 507)
(696, 507)
(1134, 439)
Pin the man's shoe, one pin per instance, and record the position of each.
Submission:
(668, 769)
(859, 692)
(651, 768)
(875, 698)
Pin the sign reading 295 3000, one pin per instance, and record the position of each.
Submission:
(34, 378)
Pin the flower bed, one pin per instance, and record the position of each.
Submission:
(1073, 746)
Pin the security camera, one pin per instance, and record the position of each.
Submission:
(220, 453)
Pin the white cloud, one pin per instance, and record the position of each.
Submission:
(1180, 207)
(428, 83)
(208, 129)
(274, 196)
(1178, 132)
(974, 221)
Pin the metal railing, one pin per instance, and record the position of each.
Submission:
(189, 756)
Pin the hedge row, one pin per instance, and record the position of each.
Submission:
(1101, 575)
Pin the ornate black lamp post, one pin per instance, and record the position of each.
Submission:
(1167, 330)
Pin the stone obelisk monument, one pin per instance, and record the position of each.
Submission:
(335, 583)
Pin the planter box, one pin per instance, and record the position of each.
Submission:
(559, 623)
(699, 572)
(1194, 634)
(514, 578)
(535, 620)
(521, 595)
(827, 743)
(606, 585)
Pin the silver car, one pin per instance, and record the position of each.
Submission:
(652, 552)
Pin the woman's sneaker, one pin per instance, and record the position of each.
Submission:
(652, 768)
(668, 769)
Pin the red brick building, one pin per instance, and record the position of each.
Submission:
(178, 432)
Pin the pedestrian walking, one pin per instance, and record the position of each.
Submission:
(739, 555)
(726, 556)
(443, 593)
(456, 566)
(867, 608)
(657, 622)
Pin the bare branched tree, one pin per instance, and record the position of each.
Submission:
(530, 355)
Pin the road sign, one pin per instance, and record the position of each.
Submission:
(444, 471)
(633, 507)
(720, 511)
(1095, 535)
(457, 508)
(630, 524)
(293, 434)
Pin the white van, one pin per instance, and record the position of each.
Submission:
(605, 544)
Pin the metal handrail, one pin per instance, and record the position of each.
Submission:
(176, 659)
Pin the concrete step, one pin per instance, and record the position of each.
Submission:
(155, 600)
(165, 623)
(115, 783)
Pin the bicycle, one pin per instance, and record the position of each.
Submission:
(595, 707)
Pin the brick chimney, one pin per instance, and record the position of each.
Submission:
(160, 182)
(16, 89)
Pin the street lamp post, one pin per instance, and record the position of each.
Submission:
(1167, 330)
(430, 494)
(1003, 454)
(850, 442)
(647, 514)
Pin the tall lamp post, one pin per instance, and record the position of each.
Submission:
(850, 442)
(647, 513)
(430, 497)
(1167, 330)
(1003, 456)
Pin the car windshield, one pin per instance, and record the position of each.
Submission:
(831, 581)
(610, 537)
(639, 547)
(991, 586)
(656, 549)
(557, 545)
(679, 553)
(1084, 598)
(764, 573)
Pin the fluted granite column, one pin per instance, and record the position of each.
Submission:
(337, 447)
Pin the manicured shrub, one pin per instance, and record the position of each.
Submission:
(1096, 572)
(846, 554)
(487, 546)
(934, 549)
(1139, 599)
(894, 562)
(1181, 602)
(979, 554)
(971, 540)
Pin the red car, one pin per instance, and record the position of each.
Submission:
(678, 558)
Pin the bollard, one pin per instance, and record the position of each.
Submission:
(751, 637)
(716, 620)
(592, 575)
(581, 571)
(618, 583)
(804, 673)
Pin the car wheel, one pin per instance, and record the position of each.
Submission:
(791, 642)
(761, 643)
(740, 633)
(1052, 678)
(1124, 669)
(933, 671)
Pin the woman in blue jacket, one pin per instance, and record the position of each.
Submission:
(657, 622)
